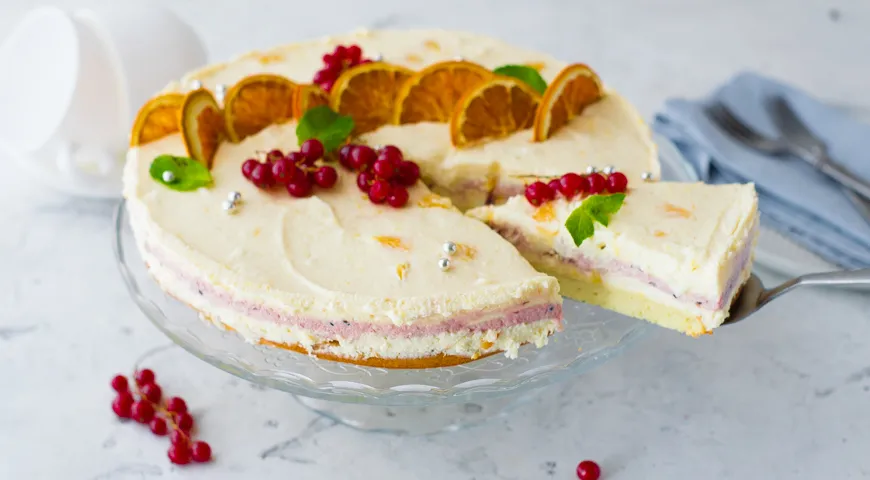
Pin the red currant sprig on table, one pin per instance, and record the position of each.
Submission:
(572, 184)
(144, 405)
(297, 171)
(342, 58)
(383, 174)
(588, 470)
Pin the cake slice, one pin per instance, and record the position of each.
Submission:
(675, 254)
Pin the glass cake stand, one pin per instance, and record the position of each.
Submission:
(397, 401)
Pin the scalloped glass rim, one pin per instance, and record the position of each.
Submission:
(592, 336)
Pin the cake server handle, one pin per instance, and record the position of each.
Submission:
(860, 277)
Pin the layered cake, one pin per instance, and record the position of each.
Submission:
(675, 254)
(311, 198)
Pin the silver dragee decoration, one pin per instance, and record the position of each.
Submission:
(229, 207)
(608, 170)
(168, 176)
(590, 170)
(449, 248)
(234, 196)
(646, 176)
(195, 85)
(444, 264)
(220, 92)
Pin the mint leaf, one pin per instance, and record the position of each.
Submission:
(325, 125)
(580, 225)
(524, 73)
(601, 207)
(597, 208)
(187, 173)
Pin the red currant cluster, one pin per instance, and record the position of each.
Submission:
(342, 58)
(297, 171)
(572, 184)
(148, 408)
(383, 174)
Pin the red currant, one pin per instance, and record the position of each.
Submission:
(201, 452)
(248, 167)
(398, 196)
(299, 186)
(312, 149)
(571, 184)
(184, 421)
(362, 157)
(158, 426)
(340, 52)
(327, 85)
(179, 454)
(274, 155)
(408, 173)
(325, 177)
(391, 153)
(555, 186)
(331, 61)
(353, 54)
(379, 191)
(344, 155)
(142, 411)
(144, 377)
(595, 183)
(177, 437)
(122, 404)
(364, 180)
(588, 470)
(384, 169)
(176, 405)
(283, 171)
(119, 383)
(152, 392)
(323, 76)
(261, 176)
(617, 182)
(538, 193)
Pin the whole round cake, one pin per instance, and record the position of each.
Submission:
(311, 197)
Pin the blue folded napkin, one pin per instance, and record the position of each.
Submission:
(795, 199)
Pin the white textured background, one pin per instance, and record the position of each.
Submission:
(787, 396)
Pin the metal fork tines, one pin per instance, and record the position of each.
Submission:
(727, 121)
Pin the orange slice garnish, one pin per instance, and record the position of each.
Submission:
(202, 124)
(308, 97)
(256, 102)
(431, 94)
(575, 88)
(493, 109)
(157, 119)
(368, 94)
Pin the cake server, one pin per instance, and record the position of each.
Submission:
(775, 147)
(754, 296)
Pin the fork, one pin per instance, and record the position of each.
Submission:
(722, 116)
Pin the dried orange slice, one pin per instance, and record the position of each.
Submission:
(575, 88)
(256, 102)
(493, 109)
(156, 119)
(202, 124)
(308, 97)
(431, 94)
(368, 93)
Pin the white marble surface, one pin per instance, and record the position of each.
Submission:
(783, 397)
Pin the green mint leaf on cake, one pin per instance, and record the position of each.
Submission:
(580, 225)
(597, 208)
(325, 125)
(524, 73)
(601, 207)
(179, 173)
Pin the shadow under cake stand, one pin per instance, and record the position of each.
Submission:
(415, 401)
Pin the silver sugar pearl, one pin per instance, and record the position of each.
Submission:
(228, 206)
(459, 58)
(646, 176)
(444, 264)
(234, 197)
(378, 58)
(449, 248)
(220, 92)
(168, 176)
(195, 84)
(590, 170)
(608, 170)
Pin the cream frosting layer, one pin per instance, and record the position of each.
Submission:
(610, 132)
(686, 246)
